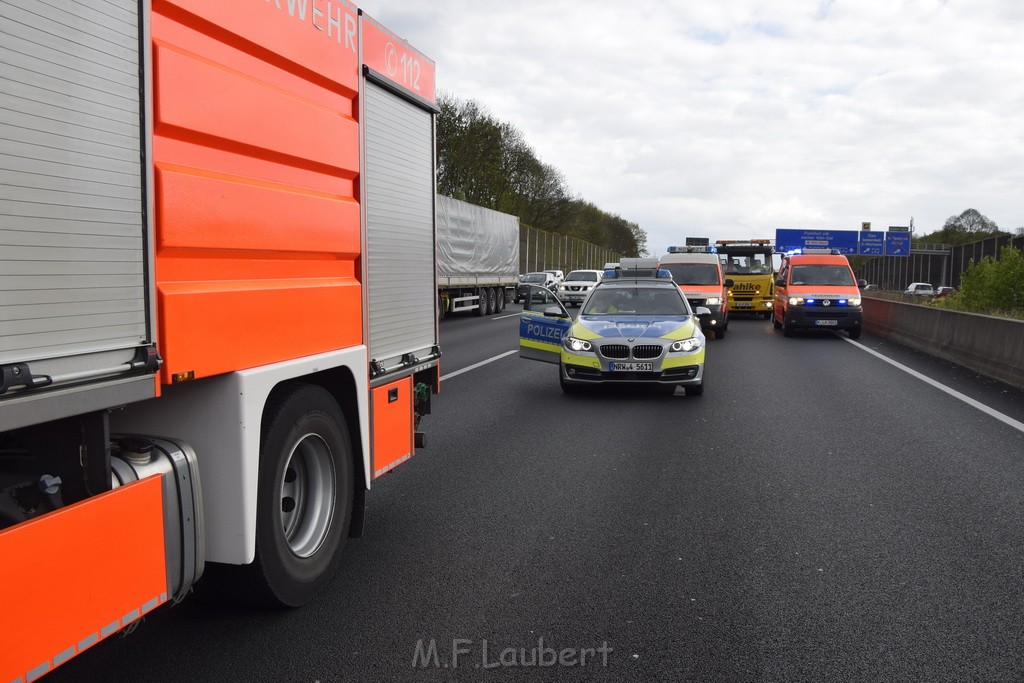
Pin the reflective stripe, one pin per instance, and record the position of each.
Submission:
(64, 656)
(392, 466)
(93, 638)
(37, 672)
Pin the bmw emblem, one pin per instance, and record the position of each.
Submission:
(826, 302)
(631, 340)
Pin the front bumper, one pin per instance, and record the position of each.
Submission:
(676, 369)
(682, 376)
(750, 305)
(570, 297)
(821, 318)
(717, 319)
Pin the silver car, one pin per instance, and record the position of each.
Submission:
(576, 286)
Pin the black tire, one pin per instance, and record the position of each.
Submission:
(776, 323)
(720, 333)
(305, 454)
(492, 301)
(499, 295)
(766, 316)
(695, 390)
(787, 330)
(481, 309)
(441, 313)
(854, 332)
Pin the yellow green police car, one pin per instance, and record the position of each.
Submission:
(635, 327)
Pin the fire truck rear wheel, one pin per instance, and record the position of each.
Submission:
(305, 492)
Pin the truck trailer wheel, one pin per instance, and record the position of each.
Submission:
(304, 499)
(499, 295)
(492, 300)
(481, 309)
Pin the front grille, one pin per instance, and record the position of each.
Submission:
(743, 298)
(646, 352)
(574, 288)
(615, 351)
(696, 302)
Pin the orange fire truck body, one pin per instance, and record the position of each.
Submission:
(217, 301)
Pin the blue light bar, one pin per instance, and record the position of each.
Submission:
(611, 274)
(664, 273)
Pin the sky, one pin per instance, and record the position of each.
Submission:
(730, 119)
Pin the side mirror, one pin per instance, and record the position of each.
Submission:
(728, 283)
(702, 312)
(862, 283)
(779, 282)
(553, 312)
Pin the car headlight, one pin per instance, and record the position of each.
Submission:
(853, 301)
(561, 288)
(691, 344)
(712, 301)
(574, 344)
(796, 301)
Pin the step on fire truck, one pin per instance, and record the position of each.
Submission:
(217, 303)
(750, 266)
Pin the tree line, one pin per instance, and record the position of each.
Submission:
(488, 162)
(969, 226)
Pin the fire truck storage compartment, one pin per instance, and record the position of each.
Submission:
(392, 425)
(73, 226)
(399, 204)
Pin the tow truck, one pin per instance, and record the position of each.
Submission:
(750, 266)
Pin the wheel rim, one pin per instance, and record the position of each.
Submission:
(307, 495)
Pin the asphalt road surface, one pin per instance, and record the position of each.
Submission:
(818, 514)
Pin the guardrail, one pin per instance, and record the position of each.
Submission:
(986, 344)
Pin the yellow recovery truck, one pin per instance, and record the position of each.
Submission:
(749, 264)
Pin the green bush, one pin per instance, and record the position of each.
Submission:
(991, 286)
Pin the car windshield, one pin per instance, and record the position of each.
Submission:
(535, 277)
(635, 301)
(837, 276)
(749, 264)
(582, 276)
(693, 273)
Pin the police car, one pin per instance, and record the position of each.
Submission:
(635, 327)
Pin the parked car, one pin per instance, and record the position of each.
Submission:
(922, 289)
(944, 291)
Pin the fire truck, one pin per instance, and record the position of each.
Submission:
(217, 303)
(750, 266)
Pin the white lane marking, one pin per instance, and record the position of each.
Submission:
(477, 365)
(510, 315)
(1019, 426)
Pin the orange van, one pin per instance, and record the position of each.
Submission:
(698, 272)
(817, 290)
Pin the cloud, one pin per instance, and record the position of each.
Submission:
(732, 119)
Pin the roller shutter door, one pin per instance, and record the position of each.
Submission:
(399, 182)
(72, 257)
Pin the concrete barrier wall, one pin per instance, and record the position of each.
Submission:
(988, 345)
